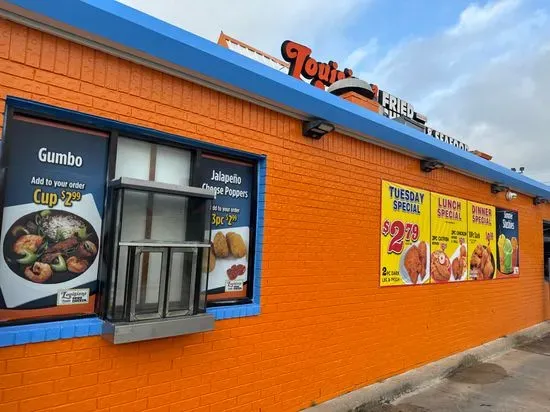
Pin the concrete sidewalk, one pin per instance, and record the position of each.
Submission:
(516, 381)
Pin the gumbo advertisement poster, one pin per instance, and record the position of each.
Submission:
(449, 234)
(52, 216)
(405, 235)
(507, 243)
(481, 241)
(228, 263)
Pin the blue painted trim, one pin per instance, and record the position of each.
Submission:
(110, 22)
(251, 309)
(124, 129)
(48, 331)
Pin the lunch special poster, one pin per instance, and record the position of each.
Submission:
(405, 235)
(507, 243)
(51, 223)
(481, 241)
(449, 233)
(228, 263)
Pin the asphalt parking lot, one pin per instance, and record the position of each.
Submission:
(517, 381)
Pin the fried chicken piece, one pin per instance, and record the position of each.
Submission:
(219, 245)
(458, 266)
(488, 270)
(236, 244)
(440, 267)
(423, 251)
(462, 251)
(413, 263)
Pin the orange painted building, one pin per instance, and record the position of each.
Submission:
(311, 321)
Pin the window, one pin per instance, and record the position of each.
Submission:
(148, 210)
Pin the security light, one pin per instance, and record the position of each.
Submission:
(496, 188)
(427, 165)
(316, 128)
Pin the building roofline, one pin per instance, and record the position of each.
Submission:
(131, 34)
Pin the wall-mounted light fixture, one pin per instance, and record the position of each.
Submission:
(316, 128)
(511, 195)
(496, 188)
(427, 165)
(538, 200)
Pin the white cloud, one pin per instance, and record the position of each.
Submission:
(475, 18)
(360, 54)
(263, 24)
(485, 81)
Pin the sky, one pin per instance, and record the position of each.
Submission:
(479, 70)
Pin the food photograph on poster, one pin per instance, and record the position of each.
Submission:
(481, 241)
(52, 219)
(228, 262)
(507, 243)
(405, 235)
(449, 246)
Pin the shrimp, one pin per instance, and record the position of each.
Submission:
(39, 272)
(29, 243)
(77, 265)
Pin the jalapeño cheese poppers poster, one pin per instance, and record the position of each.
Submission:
(405, 235)
(449, 232)
(507, 243)
(481, 241)
(231, 223)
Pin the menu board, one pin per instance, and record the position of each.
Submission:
(405, 235)
(481, 241)
(229, 258)
(52, 217)
(507, 243)
(449, 232)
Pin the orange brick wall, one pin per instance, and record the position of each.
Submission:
(326, 327)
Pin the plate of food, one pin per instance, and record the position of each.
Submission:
(50, 246)
(414, 263)
(228, 257)
(482, 263)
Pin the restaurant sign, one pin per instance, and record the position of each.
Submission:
(302, 64)
(321, 75)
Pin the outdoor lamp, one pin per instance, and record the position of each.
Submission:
(496, 188)
(427, 165)
(539, 200)
(316, 128)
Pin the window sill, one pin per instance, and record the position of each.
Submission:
(126, 332)
(78, 328)
(236, 311)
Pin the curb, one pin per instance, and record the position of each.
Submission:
(415, 379)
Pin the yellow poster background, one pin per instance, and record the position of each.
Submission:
(404, 235)
(449, 239)
(481, 241)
